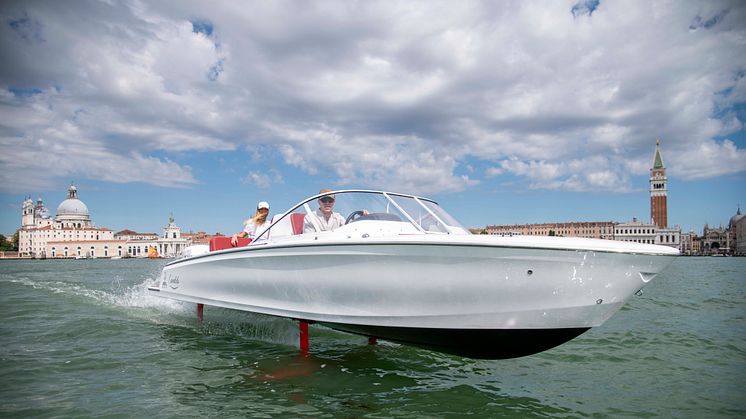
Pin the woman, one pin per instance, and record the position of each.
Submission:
(254, 224)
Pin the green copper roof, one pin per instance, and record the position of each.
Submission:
(658, 164)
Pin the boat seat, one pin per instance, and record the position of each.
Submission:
(296, 219)
(223, 242)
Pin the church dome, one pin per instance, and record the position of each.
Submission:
(73, 209)
(734, 219)
(72, 206)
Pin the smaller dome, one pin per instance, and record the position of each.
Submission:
(72, 206)
(734, 219)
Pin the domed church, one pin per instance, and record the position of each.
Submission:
(71, 233)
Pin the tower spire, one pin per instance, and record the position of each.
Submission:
(658, 160)
(658, 190)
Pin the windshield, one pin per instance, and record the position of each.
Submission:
(342, 209)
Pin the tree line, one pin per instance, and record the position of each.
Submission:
(9, 245)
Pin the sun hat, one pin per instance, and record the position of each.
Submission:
(262, 204)
(324, 191)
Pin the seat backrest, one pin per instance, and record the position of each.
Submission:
(223, 242)
(296, 219)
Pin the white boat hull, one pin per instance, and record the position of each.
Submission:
(492, 297)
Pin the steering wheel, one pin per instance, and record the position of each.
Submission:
(354, 216)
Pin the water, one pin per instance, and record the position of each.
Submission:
(82, 338)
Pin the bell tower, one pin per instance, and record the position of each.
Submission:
(658, 190)
(27, 214)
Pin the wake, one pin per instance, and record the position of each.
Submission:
(135, 302)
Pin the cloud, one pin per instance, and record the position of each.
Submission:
(710, 159)
(376, 94)
(590, 174)
(264, 180)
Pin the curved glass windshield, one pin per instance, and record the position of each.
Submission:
(399, 214)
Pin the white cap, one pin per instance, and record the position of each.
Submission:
(262, 204)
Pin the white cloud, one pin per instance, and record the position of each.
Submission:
(264, 180)
(590, 174)
(710, 159)
(565, 95)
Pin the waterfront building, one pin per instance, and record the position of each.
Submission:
(687, 243)
(171, 244)
(200, 237)
(133, 235)
(696, 245)
(670, 236)
(716, 240)
(85, 249)
(635, 231)
(72, 223)
(589, 229)
(72, 234)
(738, 231)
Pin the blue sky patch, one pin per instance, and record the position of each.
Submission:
(700, 22)
(202, 26)
(26, 28)
(24, 91)
(584, 7)
(215, 71)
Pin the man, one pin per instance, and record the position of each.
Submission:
(324, 219)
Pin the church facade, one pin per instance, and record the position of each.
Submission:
(70, 233)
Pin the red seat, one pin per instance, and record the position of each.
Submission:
(296, 220)
(222, 242)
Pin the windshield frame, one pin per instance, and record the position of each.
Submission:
(304, 207)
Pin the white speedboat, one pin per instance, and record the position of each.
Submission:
(400, 268)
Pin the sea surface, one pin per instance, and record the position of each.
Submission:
(81, 338)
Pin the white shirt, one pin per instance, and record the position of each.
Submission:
(334, 221)
(251, 228)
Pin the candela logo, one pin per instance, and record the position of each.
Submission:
(173, 281)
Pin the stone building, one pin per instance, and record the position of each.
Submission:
(716, 240)
(72, 234)
(689, 243)
(635, 231)
(171, 244)
(127, 234)
(41, 235)
(738, 231)
(589, 229)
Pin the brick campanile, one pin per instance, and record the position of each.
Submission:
(658, 190)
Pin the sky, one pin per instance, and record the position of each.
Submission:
(504, 112)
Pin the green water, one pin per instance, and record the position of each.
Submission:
(81, 338)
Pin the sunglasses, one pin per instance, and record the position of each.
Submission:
(326, 200)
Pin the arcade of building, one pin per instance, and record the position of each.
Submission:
(72, 234)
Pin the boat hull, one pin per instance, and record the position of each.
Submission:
(472, 343)
(483, 300)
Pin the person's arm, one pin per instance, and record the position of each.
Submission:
(235, 237)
